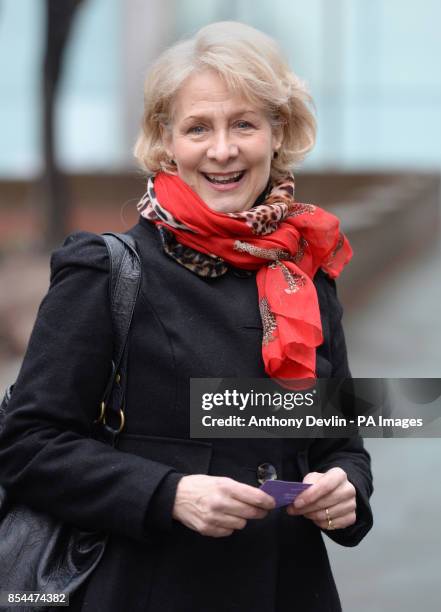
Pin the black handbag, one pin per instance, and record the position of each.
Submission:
(39, 553)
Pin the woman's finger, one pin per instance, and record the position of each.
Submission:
(340, 522)
(344, 492)
(322, 486)
(242, 510)
(334, 511)
(227, 521)
(219, 525)
(216, 532)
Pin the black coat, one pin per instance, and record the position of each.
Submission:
(184, 326)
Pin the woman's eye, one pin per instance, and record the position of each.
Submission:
(243, 125)
(196, 129)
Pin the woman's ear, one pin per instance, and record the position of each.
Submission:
(167, 139)
(277, 138)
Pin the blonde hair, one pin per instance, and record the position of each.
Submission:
(251, 63)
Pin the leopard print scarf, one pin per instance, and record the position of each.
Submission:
(284, 240)
(275, 204)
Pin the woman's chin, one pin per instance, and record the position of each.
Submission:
(226, 204)
(229, 202)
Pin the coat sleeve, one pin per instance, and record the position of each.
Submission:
(48, 458)
(347, 453)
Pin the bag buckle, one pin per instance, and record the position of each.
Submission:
(102, 417)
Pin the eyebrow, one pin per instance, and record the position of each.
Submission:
(243, 111)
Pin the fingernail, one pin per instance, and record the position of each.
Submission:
(299, 503)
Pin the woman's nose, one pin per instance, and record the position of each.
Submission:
(222, 148)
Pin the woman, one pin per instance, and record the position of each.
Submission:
(221, 242)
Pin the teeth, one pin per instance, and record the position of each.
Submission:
(226, 178)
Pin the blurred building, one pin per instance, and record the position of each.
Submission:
(372, 68)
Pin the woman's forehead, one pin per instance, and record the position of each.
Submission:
(208, 93)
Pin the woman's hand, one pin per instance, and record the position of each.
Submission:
(216, 506)
(330, 491)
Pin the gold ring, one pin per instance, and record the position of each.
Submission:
(328, 516)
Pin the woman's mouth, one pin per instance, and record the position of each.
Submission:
(223, 181)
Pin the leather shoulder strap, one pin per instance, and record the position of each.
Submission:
(124, 284)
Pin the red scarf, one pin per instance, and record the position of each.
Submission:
(287, 242)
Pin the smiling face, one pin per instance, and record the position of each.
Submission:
(221, 143)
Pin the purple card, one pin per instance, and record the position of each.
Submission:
(283, 491)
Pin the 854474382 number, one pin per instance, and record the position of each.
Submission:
(32, 598)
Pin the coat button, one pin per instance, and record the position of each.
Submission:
(242, 273)
(266, 471)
